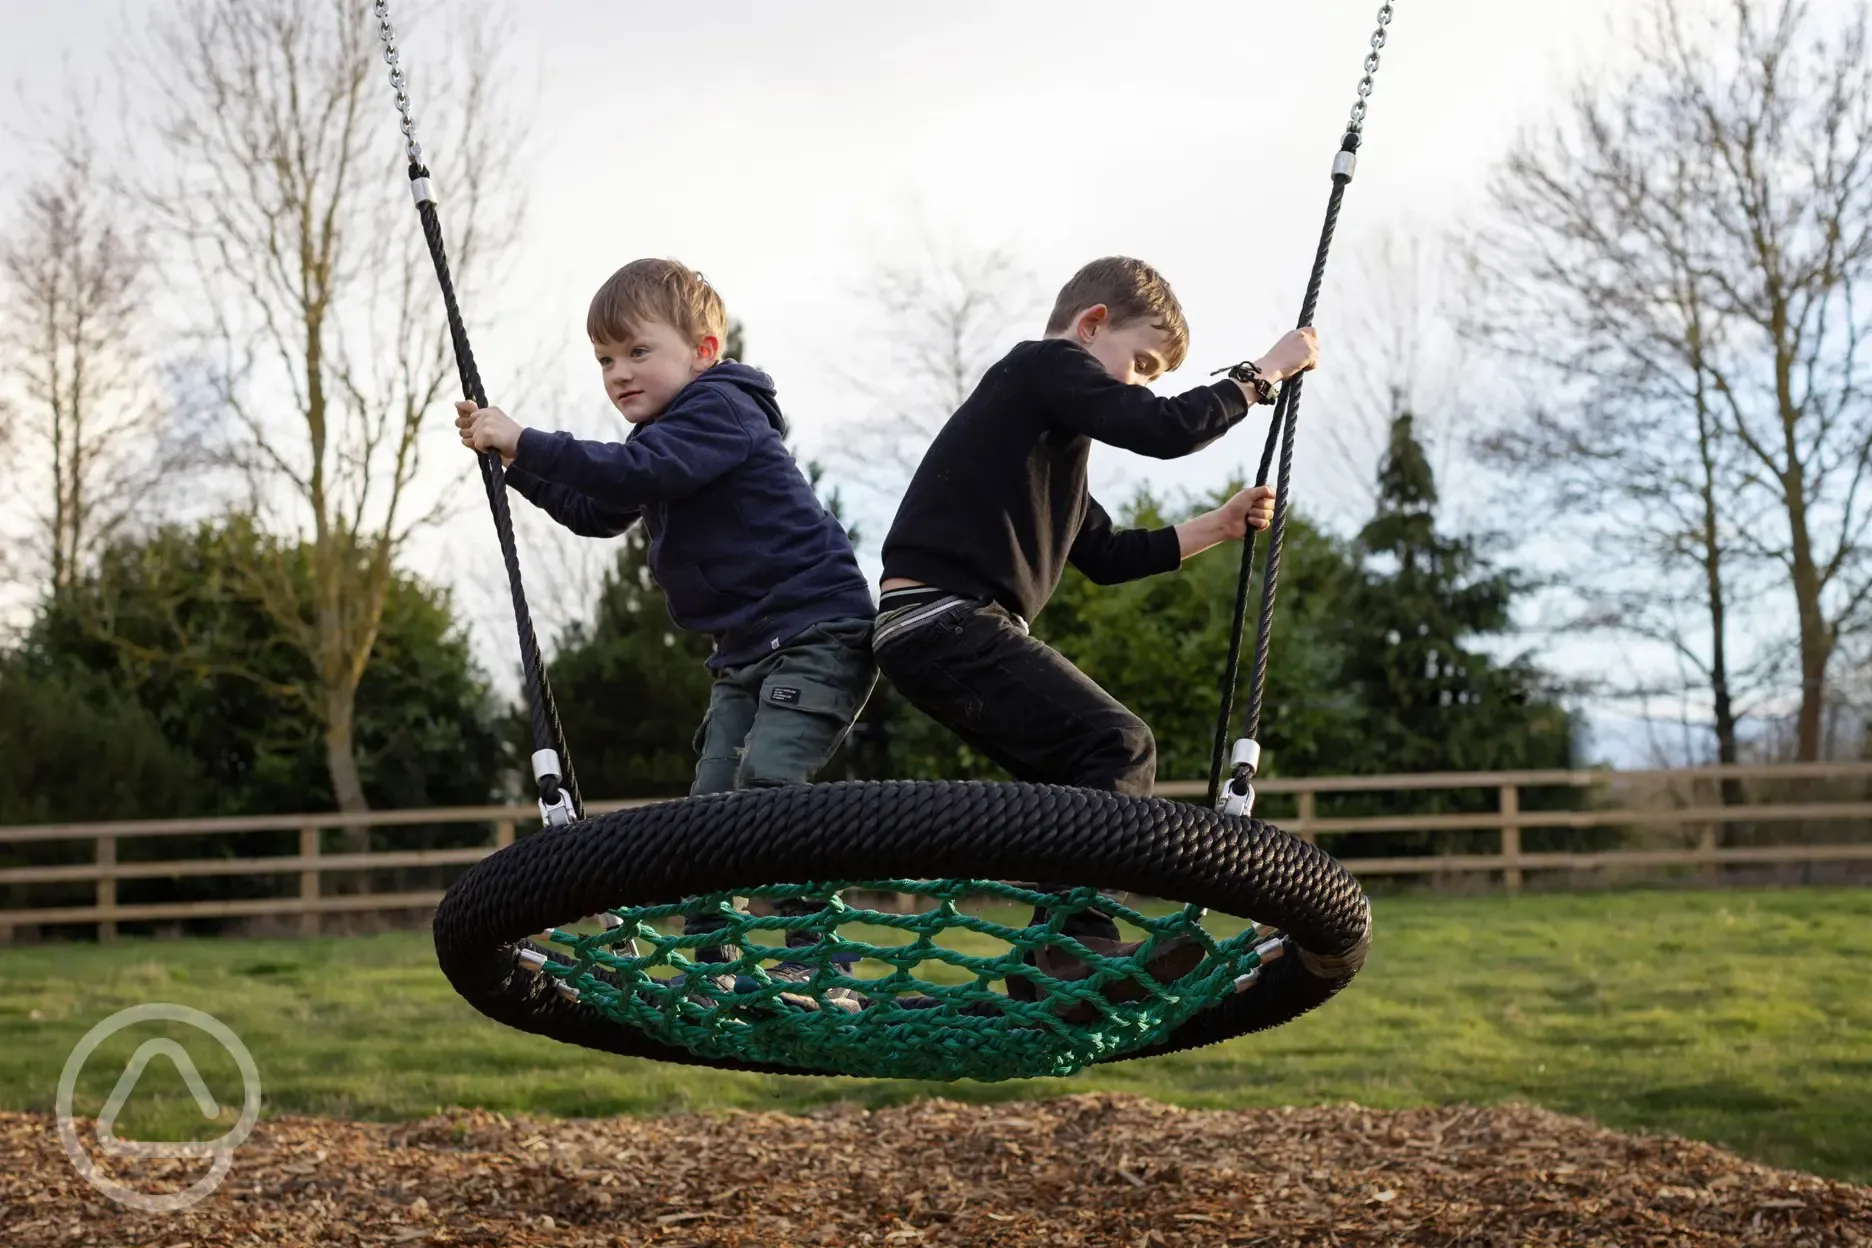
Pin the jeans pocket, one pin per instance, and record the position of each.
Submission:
(956, 620)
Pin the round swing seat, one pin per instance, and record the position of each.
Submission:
(966, 984)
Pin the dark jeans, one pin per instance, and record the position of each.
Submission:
(977, 672)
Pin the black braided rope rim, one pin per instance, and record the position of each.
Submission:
(897, 829)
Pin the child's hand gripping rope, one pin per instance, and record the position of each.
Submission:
(487, 429)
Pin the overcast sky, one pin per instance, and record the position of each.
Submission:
(784, 148)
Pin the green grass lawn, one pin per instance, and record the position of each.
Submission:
(1743, 1018)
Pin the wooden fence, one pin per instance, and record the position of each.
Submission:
(1666, 819)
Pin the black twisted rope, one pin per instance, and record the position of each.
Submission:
(1231, 670)
(901, 830)
(1282, 427)
(1288, 415)
(547, 732)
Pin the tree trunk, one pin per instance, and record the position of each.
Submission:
(1711, 541)
(341, 762)
(1816, 642)
(1727, 753)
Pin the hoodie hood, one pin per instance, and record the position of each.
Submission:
(752, 381)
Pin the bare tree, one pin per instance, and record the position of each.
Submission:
(942, 312)
(1399, 356)
(282, 193)
(1683, 251)
(74, 280)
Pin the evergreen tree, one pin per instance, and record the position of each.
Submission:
(1411, 632)
(1432, 699)
(161, 638)
(155, 686)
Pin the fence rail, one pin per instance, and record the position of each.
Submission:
(1646, 802)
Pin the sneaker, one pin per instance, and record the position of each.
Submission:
(843, 999)
(1170, 961)
(1091, 927)
(706, 983)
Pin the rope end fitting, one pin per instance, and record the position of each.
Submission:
(420, 189)
(555, 802)
(1237, 797)
(1345, 160)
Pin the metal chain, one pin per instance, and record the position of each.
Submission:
(387, 34)
(1357, 123)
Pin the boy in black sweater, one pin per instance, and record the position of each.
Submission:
(999, 506)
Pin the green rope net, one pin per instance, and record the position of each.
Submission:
(806, 988)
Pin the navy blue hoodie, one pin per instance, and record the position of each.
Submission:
(743, 549)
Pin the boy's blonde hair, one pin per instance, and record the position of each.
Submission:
(644, 291)
(1134, 292)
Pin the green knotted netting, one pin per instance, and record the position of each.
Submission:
(912, 1010)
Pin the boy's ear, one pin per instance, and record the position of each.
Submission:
(708, 350)
(1092, 320)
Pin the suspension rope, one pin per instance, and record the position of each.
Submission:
(1245, 760)
(552, 761)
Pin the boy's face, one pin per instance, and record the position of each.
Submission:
(644, 371)
(1134, 353)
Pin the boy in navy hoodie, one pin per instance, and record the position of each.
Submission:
(743, 549)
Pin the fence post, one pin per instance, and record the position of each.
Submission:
(503, 833)
(1706, 845)
(1511, 837)
(107, 888)
(308, 883)
(1304, 800)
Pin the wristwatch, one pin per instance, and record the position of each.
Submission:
(1248, 373)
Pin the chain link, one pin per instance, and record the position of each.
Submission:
(387, 34)
(1357, 123)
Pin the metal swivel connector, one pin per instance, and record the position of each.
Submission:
(557, 811)
(1238, 795)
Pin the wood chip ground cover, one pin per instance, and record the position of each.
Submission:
(1081, 1170)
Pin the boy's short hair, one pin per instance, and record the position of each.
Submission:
(655, 290)
(1133, 291)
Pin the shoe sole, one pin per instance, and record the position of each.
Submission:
(1171, 962)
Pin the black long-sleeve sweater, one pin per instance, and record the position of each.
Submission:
(999, 504)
